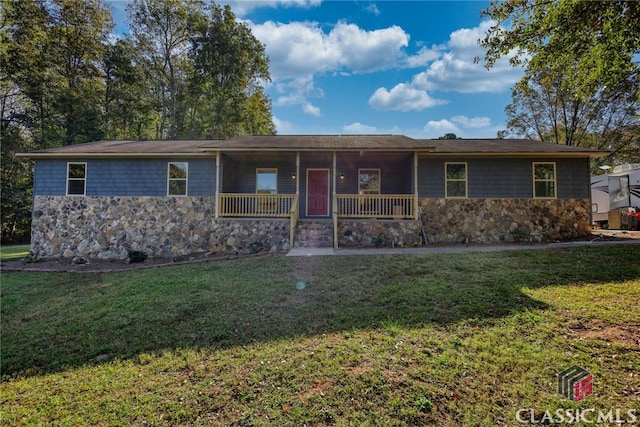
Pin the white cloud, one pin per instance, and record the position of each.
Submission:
(458, 125)
(295, 50)
(282, 126)
(299, 49)
(297, 92)
(450, 68)
(472, 123)
(403, 97)
(359, 128)
(372, 8)
(457, 71)
(423, 57)
(310, 109)
(440, 126)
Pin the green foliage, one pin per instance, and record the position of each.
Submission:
(449, 136)
(379, 241)
(546, 106)
(597, 41)
(189, 70)
(582, 85)
(137, 256)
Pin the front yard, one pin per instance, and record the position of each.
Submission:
(384, 340)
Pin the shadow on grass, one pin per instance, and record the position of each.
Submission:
(53, 322)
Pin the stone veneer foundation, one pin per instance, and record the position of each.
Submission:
(505, 220)
(166, 227)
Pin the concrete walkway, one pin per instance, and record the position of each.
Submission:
(453, 249)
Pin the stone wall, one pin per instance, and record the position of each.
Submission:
(382, 233)
(505, 220)
(164, 227)
(167, 227)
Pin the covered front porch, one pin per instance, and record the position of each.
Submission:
(323, 186)
(317, 185)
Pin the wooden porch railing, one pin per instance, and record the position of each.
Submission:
(376, 205)
(256, 205)
(294, 215)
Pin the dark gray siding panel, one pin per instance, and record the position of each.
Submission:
(510, 178)
(126, 177)
(396, 171)
(573, 179)
(430, 177)
(499, 178)
(239, 172)
(50, 178)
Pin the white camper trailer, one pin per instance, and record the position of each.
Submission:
(615, 197)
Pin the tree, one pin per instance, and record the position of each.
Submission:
(78, 33)
(548, 108)
(162, 31)
(229, 65)
(130, 110)
(449, 136)
(597, 40)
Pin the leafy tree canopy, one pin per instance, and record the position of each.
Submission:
(597, 40)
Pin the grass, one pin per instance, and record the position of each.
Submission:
(12, 252)
(386, 340)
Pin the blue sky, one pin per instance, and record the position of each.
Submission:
(402, 67)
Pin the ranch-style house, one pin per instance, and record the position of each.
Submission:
(268, 193)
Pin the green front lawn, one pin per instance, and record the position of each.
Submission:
(383, 340)
(12, 252)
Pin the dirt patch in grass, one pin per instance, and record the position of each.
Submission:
(627, 336)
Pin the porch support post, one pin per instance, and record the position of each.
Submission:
(297, 172)
(415, 185)
(334, 208)
(217, 184)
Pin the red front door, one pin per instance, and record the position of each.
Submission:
(318, 192)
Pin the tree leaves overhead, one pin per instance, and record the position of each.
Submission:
(581, 85)
(597, 40)
(188, 70)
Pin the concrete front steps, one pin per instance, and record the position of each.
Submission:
(313, 234)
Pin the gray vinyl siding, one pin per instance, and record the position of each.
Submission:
(508, 178)
(396, 171)
(239, 172)
(125, 177)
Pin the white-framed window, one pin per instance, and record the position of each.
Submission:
(266, 181)
(368, 181)
(178, 176)
(544, 180)
(456, 183)
(76, 179)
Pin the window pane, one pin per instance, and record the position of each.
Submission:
(545, 171)
(178, 170)
(76, 170)
(369, 181)
(456, 189)
(267, 182)
(178, 187)
(75, 186)
(545, 189)
(456, 171)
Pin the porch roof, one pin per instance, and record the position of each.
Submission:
(271, 143)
